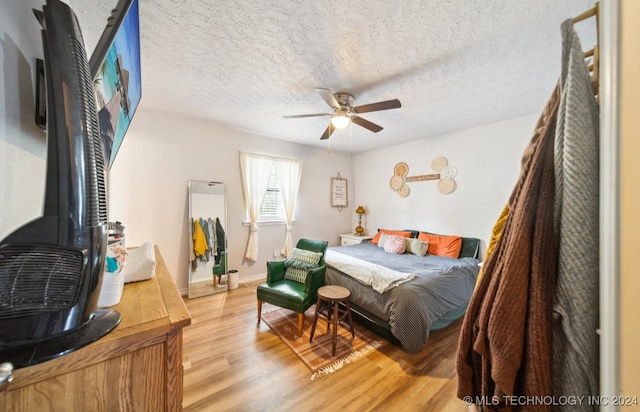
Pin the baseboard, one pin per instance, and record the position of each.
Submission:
(260, 277)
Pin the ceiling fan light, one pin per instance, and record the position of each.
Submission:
(340, 120)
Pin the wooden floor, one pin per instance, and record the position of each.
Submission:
(233, 364)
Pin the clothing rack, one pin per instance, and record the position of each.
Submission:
(594, 53)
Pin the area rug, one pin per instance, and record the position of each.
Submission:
(317, 354)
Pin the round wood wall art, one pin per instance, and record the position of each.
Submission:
(445, 175)
(401, 169)
(396, 182)
(446, 186)
(439, 163)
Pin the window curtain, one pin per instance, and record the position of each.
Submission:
(255, 176)
(289, 173)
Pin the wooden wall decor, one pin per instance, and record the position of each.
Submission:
(444, 175)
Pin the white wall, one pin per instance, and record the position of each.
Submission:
(22, 143)
(487, 160)
(161, 152)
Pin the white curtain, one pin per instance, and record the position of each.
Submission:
(255, 176)
(289, 173)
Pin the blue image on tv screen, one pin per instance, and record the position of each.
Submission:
(117, 85)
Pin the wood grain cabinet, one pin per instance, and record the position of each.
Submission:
(136, 367)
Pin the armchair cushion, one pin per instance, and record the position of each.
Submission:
(301, 261)
(287, 294)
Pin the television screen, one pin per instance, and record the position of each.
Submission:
(115, 67)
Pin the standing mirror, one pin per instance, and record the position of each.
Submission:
(207, 237)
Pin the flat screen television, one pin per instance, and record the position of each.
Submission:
(115, 69)
(51, 268)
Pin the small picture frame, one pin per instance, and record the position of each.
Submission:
(339, 192)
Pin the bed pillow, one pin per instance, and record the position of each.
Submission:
(440, 245)
(416, 246)
(298, 265)
(383, 238)
(401, 233)
(395, 244)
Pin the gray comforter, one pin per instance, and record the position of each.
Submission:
(440, 286)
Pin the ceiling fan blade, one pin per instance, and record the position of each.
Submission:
(327, 133)
(366, 124)
(374, 107)
(297, 116)
(328, 97)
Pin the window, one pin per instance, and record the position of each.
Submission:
(270, 186)
(272, 207)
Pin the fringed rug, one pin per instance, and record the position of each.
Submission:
(317, 354)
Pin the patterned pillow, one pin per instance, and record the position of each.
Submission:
(296, 274)
(297, 267)
(395, 244)
(416, 246)
(306, 256)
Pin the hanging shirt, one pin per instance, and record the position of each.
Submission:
(199, 241)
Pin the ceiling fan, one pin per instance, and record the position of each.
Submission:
(344, 112)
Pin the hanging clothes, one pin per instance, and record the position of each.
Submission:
(496, 232)
(199, 241)
(505, 337)
(575, 312)
(208, 229)
(192, 254)
(211, 237)
(220, 236)
(203, 225)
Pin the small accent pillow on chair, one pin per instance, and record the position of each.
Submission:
(298, 265)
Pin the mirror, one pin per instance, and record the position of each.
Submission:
(207, 237)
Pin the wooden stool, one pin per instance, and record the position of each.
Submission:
(332, 295)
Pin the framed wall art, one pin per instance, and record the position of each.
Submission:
(339, 192)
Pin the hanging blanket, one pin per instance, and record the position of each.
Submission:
(575, 312)
(505, 337)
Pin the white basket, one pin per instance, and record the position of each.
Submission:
(233, 280)
(111, 291)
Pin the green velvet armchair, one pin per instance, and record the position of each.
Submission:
(291, 294)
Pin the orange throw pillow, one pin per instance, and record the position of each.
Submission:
(442, 245)
(400, 233)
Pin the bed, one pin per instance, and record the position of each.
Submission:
(407, 311)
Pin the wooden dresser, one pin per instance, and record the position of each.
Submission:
(136, 367)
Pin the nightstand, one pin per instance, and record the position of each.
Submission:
(350, 239)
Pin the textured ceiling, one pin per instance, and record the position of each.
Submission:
(245, 63)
